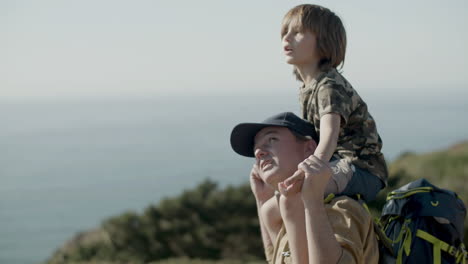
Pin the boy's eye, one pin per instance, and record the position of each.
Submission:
(297, 31)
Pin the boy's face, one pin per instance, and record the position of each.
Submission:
(277, 154)
(300, 46)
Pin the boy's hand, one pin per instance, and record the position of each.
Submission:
(317, 174)
(260, 189)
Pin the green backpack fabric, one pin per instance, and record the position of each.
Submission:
(422, 224)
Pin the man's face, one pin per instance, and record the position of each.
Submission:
(277, 154)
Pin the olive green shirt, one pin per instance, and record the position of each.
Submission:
(353, 229)
(358, 140)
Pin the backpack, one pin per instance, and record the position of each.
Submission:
(422, 223)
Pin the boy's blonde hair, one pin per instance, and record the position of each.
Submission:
(328, 28)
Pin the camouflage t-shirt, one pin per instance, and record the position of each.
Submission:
(358, 140)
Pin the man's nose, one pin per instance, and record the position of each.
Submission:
(260, 153)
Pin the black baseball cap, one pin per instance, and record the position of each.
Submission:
(243, 135)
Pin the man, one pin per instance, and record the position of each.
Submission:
(297, 226)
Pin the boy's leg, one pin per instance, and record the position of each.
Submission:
(364, 183)
(350, 180)
(342, 174)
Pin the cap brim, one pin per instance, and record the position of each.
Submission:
(242, 138)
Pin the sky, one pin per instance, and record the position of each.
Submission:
(398, 51)
(111, 48)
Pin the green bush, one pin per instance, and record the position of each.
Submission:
(204, 223)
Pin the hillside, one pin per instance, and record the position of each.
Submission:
(221, 226)
(446, 169)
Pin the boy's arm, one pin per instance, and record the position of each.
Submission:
(329, 132)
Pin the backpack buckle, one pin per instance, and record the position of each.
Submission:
(452, 251)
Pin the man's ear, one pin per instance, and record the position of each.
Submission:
(310, 147)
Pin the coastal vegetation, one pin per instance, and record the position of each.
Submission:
(211, 225)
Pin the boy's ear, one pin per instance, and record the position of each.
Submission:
(310, 147)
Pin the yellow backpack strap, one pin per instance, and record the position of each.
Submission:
(329, 198)
(461, 258)
(378, 228)
(406, 246)
(363, 203)
(400, 195)
(403, 231)
(438, 245)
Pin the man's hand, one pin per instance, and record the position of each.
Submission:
(310, 179)
(260, 189)
(292, 185)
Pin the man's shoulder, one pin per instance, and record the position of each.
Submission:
(344, 201)
(270, 213)
(270, 205)
(354, 230)
(348, 207)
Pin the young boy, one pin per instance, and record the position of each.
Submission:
(314, 42)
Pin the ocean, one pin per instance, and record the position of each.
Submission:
(66, 165)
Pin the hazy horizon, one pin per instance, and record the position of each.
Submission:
(62, 49)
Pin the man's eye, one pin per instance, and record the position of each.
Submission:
(272, 139)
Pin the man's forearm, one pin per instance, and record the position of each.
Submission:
(292, 212)
(322, 244)
(267, 243)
